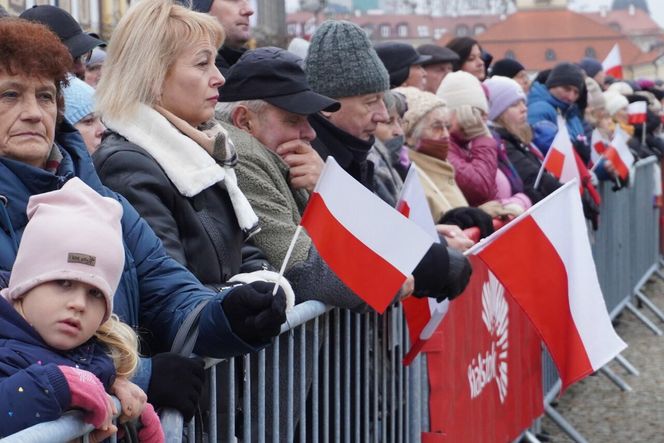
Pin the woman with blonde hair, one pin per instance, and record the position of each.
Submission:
(174, 163)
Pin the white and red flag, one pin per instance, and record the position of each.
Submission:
(543, 259)
(598, 145)
(423, 315)
(612, 64)
(619, 154)
(369, 245)
(559, 159)
(637, 112)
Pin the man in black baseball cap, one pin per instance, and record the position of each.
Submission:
(59, 21)
(264, 106)
(403, 63)
(441, 63)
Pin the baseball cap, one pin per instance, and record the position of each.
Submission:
(275, 76)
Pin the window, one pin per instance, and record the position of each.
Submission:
(423, 31)
(510, 54)
(294, 29)
(478, 29)
(385, 31)
(438, 33)
(462, 31)
(550, 55)
(368, 28)
(402, 30)
(590, 52)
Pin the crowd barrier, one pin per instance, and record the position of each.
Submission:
(333, 375)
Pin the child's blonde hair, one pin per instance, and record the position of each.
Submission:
(122, 343)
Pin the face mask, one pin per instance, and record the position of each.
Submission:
(394, 145)
(433, 148)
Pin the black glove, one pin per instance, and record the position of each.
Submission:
(458, 275)
(431, 273)
(619, 183)
(176, 382)
(467, 218)
(254, 314)
(590, 209)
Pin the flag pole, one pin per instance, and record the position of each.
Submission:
(286, 258)
(643, 134)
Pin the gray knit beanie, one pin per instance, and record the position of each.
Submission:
(342, 62)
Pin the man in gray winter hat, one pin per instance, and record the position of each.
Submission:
(342, 64)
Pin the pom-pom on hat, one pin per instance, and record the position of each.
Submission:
(342, 62)
(72, 234)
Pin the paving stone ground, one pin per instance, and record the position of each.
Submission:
(603, 413)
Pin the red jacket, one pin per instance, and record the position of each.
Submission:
(475, 164)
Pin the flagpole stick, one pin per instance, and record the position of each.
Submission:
(601, 157)
(286, 258)
(643, 134)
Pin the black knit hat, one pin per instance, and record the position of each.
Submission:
(506, 67)
(566, 74)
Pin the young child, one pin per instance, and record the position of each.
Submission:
(60, 345)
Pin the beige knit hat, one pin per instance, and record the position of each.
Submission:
(420, 103)
(461, 88)
(595, 97)
(614, 102)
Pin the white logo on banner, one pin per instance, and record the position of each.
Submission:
(493, 365)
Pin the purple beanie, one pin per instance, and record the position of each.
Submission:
(72, 234)
(503, 93)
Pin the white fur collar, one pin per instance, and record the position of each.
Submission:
(187, 165)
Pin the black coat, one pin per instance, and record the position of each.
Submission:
(527, 165)
(201, 232)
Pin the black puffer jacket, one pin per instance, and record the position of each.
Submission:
(200, 232)
(527, 165)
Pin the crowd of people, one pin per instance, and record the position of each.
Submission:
(156, 181)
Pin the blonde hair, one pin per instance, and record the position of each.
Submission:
(144, 46)
(122, 343)
(119, 338)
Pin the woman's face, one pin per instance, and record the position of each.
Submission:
(515, 116)
(28, 111)
(474, 64)
(190, 87)
(436, 125)
(91, 129)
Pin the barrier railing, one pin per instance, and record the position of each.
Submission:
(333, 375)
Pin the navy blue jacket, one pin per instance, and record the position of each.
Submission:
(32, 388)
(156, 293)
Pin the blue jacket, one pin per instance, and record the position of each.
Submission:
(543, 110)
(32, 388)
(156, 293)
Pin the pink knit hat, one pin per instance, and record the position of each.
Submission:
(72, 234)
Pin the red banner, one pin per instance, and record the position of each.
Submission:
(484, 366)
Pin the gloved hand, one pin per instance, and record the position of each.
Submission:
(471, 121)
(431, 273)
(619, 183)
(88, 393)
(590, 209)
(151, 432)
(458, 275)
(467, 218)
(254, 314)
(176, 382)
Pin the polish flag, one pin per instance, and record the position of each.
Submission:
(598, 146)
(543, 259)
(612, 64)
(423, 315)
(619, 154)
(637, 112)
(367, 243)
(559, 160)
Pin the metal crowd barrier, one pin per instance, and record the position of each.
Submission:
(333, 375)
(626, 253)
